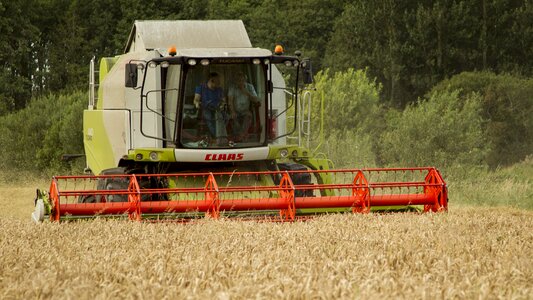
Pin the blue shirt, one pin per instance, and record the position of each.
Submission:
(210, 97)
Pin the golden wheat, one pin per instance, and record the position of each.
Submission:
(467, 253)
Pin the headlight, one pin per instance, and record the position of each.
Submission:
(288, 63)
(165, 64)
(153, 156)
(152, 64)
(192, 62)
(283, 152)
(139, 156)
(256, 61)
(204, 62)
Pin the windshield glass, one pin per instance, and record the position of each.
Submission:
(224, 106)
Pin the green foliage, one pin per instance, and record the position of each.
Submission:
(407, 45)
(368, 35)
(351, 100)
(350, 149)
(16, 65)
(411, 45)
(507, 105)
(444, 130)
(351, 115)
(34, 138)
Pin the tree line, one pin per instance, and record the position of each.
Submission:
(409, 46)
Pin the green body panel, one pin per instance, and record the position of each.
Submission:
(294, 152)
(321, 178)
(98, 150)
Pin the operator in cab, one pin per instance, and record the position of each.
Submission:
(242, 96)
(210, 97)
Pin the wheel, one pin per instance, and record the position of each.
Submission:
(298, 178)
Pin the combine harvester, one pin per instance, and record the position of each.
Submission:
(161, 152)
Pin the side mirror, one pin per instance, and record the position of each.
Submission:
(307, 71)
(131, 75)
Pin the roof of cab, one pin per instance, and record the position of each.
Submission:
(187, 34)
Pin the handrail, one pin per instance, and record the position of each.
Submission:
(92, 84)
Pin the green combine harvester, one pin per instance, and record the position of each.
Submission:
(193, 121)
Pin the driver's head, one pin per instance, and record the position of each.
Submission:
(240, 76)
(213, 80)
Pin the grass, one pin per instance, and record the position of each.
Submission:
(509, 187)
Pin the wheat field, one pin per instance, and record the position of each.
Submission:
(470, 252)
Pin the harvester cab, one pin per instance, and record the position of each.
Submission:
(192, 120)
(193, 92)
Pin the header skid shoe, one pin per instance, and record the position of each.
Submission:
(267, 195)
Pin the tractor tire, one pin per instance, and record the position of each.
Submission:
(298, 178)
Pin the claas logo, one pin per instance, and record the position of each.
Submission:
(225, 156)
